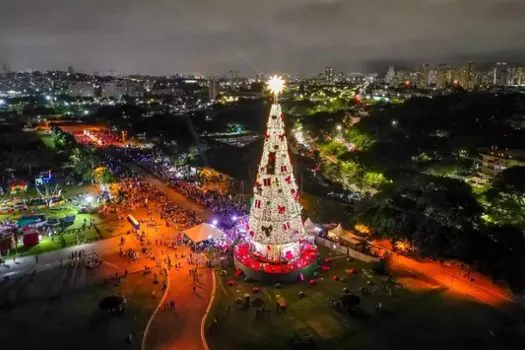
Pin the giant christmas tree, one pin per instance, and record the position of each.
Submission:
(275, 224)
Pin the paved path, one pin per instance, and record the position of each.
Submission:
(51, 260)
(180, 328)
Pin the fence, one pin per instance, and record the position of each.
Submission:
(346, 250)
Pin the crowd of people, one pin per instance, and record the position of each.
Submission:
(137, 194)
(225, 207)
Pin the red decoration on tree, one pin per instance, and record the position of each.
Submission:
(281, 137)
(288, 179)
(281, 209)
(266, 136)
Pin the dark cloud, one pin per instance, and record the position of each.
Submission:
(206, 36)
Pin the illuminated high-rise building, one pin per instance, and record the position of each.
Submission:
(467, 76)
(213, 89)
(390, 75)
(422, 75)
(500, 74)
(443, 76)
(329, 74)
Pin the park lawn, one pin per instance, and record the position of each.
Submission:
(74, 321)
(72, 235)
(426, 319)
(46, 245)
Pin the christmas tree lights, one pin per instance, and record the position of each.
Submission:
(275, 225)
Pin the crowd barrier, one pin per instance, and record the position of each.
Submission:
(346, 250)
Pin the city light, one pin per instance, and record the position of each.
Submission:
(48, 98)
(215, 222)
(339, 127)
(89, 199)
(2, 102)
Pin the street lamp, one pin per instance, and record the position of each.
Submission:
(339, 127)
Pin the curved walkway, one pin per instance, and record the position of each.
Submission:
(180, 328)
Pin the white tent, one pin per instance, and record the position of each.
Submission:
(310, 227)
(203, 232)
(336, 232)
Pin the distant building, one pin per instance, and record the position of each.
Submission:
(119, 88)
(500, 74)
(467, 76)
(492, 161)
(82, 89)
(432, 77)
(115, 89)
(213, 89)
(390, 75)
(422, 76)
(70, 70)
(514, 75)
(443, 76)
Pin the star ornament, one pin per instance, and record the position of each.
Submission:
(276, 84)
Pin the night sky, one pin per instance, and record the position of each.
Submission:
(214, 36)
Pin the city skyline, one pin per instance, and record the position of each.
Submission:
(265, 36)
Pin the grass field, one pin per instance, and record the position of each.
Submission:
(422, 317)
(73, 320)
(73, 234)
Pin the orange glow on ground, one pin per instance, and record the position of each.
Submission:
(480, 289)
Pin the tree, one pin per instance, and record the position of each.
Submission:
(506, 197)
(438, 216)
(361, 138)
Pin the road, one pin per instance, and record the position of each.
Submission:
(480, 289)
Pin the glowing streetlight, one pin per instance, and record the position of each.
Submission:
(339, 127)
(89, 199)
(276, 85)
